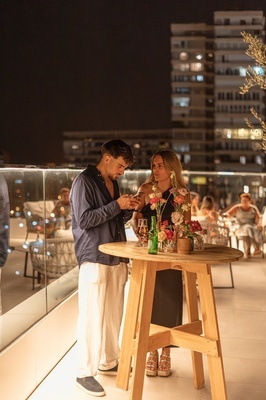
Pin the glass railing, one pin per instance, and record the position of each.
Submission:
(41, 268)
(36, 277)
(225, 187)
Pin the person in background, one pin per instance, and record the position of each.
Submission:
(62, 210)
(4, 226)
(168, 294)
(249, 219)
(207, 213)
(97, 217)
(195, 200)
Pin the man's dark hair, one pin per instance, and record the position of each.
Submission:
(118, 148)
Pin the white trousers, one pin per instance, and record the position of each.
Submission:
(101, 302)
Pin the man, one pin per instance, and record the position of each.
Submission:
(62, 209)
(97, 217)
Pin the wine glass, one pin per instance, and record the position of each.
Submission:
(142, 232)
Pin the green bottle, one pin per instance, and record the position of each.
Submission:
(153, 237)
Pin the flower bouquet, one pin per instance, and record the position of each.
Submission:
(189, 230)
(166, 236)
(180, 207)
(168, 232)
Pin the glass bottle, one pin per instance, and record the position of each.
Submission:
(153, 237)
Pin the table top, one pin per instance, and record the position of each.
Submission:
(211, 254)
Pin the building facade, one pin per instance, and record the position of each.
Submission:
(208, 67)
(209, 133)
(84, 147)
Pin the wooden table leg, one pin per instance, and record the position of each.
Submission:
(193, 315)
(130, 325)
(211, 330)
(142, 336)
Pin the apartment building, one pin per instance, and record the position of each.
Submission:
(192, 99)
(84, 147)
(208, 66)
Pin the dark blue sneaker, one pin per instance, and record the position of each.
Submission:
(90, 386)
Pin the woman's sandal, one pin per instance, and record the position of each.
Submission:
(164, 368)
(152, 364)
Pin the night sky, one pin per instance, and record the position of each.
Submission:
(88, 65)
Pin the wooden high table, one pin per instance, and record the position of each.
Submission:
(201, 337)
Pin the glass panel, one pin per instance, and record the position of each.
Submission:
(38, 236)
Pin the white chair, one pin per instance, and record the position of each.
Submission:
(52, 258)
(38, 217)
(220, 235)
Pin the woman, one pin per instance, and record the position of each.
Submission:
(168, 294)
(195, 200)
(248, 217)
(207, 214)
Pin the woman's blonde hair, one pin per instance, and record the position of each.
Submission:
(246, 195)
(171, 163)
(208, 202)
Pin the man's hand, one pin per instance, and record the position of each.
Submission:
(127, 202)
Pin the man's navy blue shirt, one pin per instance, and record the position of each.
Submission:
(96, 217)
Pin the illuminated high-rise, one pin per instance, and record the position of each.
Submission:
(208, 67)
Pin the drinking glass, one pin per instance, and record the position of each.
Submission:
(142, 232)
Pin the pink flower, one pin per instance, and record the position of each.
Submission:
(179, 200)
(169, 234)
(154, 200)
(166, 231)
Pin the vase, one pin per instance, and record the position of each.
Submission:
(175, 237)
(184, 245)
(169, 246)
(158, 222)
(160, 247)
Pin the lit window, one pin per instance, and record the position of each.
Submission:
(256, 134)
(183, 56)
(258, 160)
(242, 71)
(243, 133)
(181, 102)
(187, 158)
(196, 67)
(184, 67)
(258, 70)
(242, 160)
(200, 78)
(181, 147)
